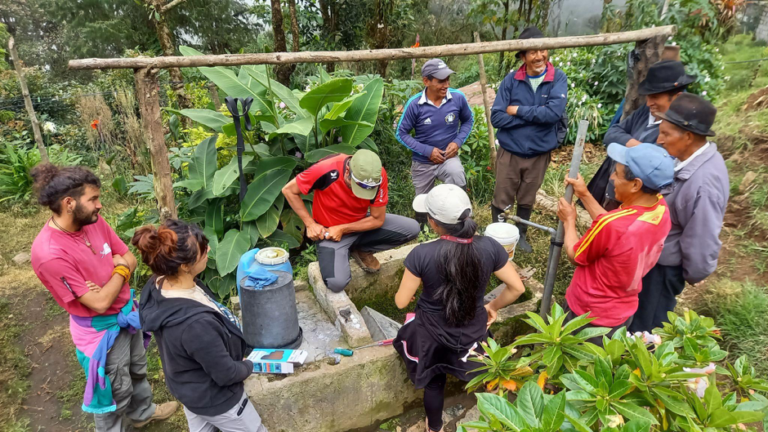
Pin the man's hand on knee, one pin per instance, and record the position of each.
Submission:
(334, 233)
(316, 231)
(452, 150)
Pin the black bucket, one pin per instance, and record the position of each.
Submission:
(270, 317)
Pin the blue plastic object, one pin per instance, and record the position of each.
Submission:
(248, 266)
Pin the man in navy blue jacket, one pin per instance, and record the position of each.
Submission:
(442, 119)
(528, 107)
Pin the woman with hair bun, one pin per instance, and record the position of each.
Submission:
(200, 341)
(451, 319)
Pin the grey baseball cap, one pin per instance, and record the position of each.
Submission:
(436, 68)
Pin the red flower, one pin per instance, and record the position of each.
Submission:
(416, 45)
(95, 124)
(488, 168)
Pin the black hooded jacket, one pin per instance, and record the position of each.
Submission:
(202, 351)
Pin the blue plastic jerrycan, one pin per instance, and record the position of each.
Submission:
(272, 259)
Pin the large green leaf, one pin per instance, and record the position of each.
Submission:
(253, 232)
(281, 239)
(224, 177)
(328, 124)
(229, 128)
(210, 118)
(262, 193)
(229, 251)
(500, 409)
(282, 92)
(267, 223)
(300, 127)
(203, 166)
(335, 90)
(260, 96)
(364, 109)
(316, 155)
(265, 166)
(633, 412)
(214, 218)
(199, 197)
(227, 81)
(530, 403)
(554, 413)
(292, 224)
(367, 144)
(339, 108)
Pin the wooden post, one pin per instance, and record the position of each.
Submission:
(646, 54)
(487, 105)
(28, 101)
(214, 92)
(147, 90)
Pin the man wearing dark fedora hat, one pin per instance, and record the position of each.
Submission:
(528, 108)
(665, 81)
(697, 199)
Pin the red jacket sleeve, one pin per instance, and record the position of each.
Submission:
(382, 196)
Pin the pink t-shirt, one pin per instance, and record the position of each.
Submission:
(63, 263)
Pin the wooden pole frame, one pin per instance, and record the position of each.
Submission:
(370, 55)
(487, 106)
(147, 84)
(28, 101)
(147, 90)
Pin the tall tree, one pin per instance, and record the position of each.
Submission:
(282, 72)
(165, 37)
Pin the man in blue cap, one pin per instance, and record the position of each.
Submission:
(442, 120)
(622, 245)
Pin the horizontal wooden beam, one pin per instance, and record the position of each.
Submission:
(368, 55)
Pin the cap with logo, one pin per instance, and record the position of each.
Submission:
(436, 68)
(445, 203)
(648, 162)
(365, 168)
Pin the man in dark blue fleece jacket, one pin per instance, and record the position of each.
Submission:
(526, 112)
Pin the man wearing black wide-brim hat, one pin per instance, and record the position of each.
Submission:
(697, 200)
(665, 81)
(527, 111)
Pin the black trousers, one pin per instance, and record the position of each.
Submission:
(661, 286)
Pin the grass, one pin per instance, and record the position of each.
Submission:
(14, 368)
(739, 309)
(744, 76)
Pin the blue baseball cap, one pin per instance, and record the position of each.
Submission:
(648, 162)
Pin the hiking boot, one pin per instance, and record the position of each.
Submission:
(367, 261)
(525, 214)
(162, 412)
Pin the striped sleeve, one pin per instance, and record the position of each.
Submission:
(603, 233)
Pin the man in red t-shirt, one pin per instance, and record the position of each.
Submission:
(86, 267)
(348, 213)
(622, 245)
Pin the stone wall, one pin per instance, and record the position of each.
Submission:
(762, 29)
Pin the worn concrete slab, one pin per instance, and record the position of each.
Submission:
(364, 286)
(380, 326)
(340, 309)
(370, 386)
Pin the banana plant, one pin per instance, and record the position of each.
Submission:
(557, 346)
(500, 372)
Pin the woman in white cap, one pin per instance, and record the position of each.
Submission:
(451, 319)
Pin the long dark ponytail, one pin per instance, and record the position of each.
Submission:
(460, 266)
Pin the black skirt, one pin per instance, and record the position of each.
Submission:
(429, 347)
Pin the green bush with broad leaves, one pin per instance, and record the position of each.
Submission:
(16, 163)
(667, 380)
(291, 130)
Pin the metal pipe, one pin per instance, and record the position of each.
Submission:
(517, 219)
(556, 246)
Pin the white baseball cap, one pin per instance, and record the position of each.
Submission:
(445, 203)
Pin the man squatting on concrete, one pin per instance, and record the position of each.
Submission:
(348, 214)
(527, 110)
(86, 267)
(697, 200)
(435, 114)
